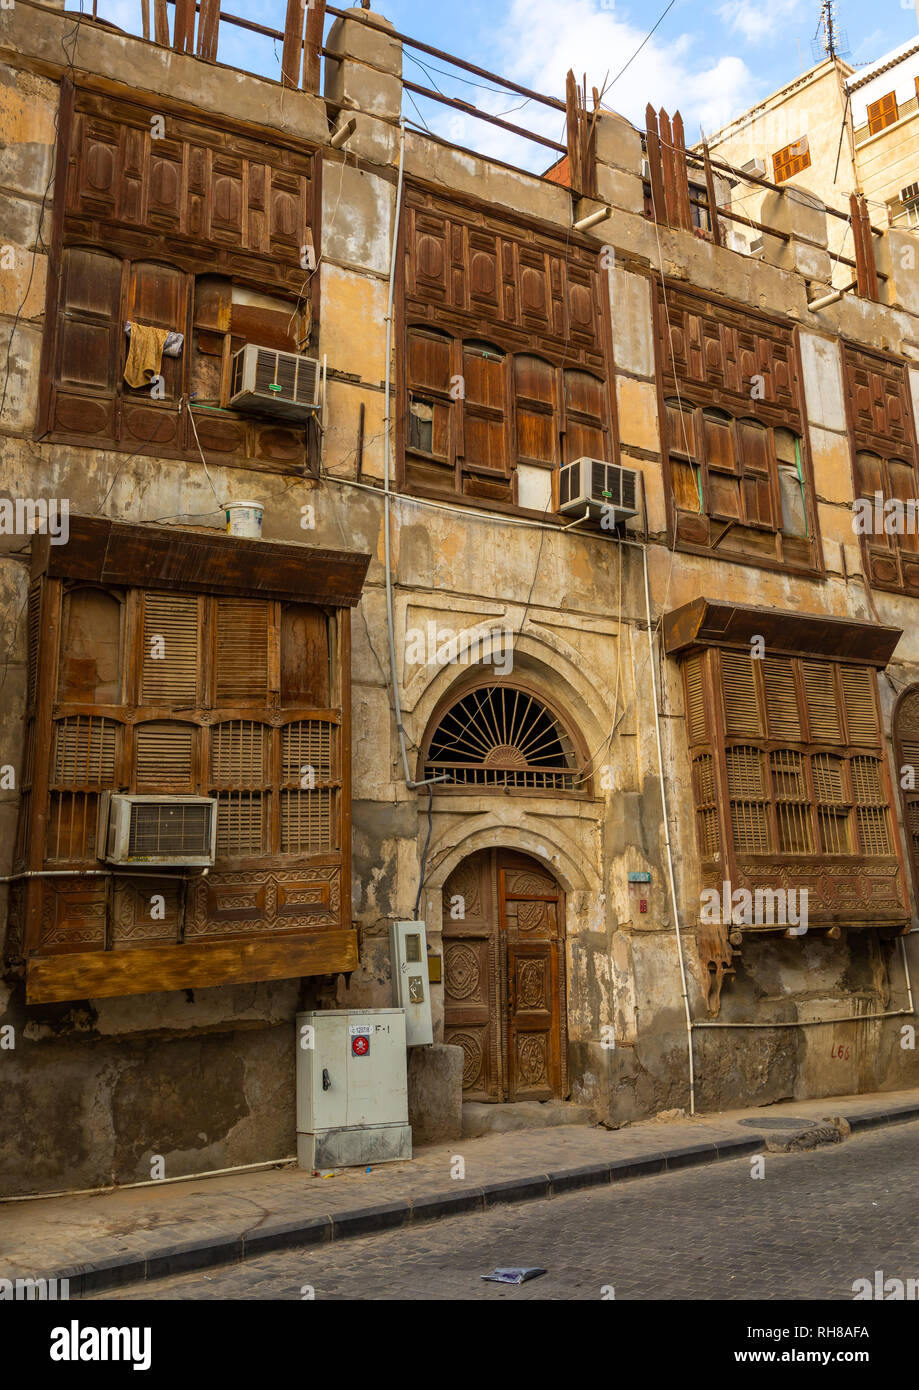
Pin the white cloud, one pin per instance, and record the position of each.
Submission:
(539, 40)
(756, 19)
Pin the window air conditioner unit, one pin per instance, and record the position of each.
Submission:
(754, 166)
(910, 193)
(597, 488)
(284, 384)
(168, 831)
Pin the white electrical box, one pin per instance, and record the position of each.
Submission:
(352, 1088)
(411, 987)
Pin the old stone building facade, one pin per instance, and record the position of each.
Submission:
(592, 728)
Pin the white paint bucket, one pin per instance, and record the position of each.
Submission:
(244, 519)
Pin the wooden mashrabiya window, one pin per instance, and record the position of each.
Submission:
(883, 436)
(505, 368)
(734, 434)
(789, 766)
(200, 232)
(167, 663)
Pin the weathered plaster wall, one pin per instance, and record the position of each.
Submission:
(94, 1089)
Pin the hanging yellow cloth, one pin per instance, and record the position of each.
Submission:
(145, 355)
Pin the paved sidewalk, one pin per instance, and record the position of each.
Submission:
(124, 1237)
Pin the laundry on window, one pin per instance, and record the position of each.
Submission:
(148, 346)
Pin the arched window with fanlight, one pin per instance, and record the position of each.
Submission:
(503, 737)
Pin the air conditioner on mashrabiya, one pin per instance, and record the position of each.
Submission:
(167, 831)
(284, 384)
(598, 489)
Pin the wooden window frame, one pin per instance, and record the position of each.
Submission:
(905, 724)
(791, 159)
(772, 867)
(115, 223)
(880, 116)
(179, 439)
(459, 411)
(691, 530)
(212, 940)
(888, 564)
(467, 318)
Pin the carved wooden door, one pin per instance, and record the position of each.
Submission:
(530, 908)
(504, 977)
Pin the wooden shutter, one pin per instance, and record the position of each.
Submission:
(307, 823)
(746, 789)
(242, 650)
(85, 749)
(239, 752)
(832, 803)
(90, 667)
(741, 707)
(88, 342)
(307, 743)
(34, 637)
(882, 113)
(791, 159)
(157, 295)
(696, 722)
(858, 698)
(870, 806)
(907, 746)
(536, 390)
(782, 714)
(821, 701)
(485, 412)
(240, 824)
(171, 678)
(304, 656)
(707, 817)
(586, 416)
(163, 757)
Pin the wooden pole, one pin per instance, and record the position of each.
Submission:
(292, 52)
(655, 175)
(315, 20)
(712, 200)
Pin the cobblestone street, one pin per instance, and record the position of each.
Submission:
(811, 1226)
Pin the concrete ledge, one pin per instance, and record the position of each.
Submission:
(691, 1155)
(448, 1204)
(517, 1190)
(287, 1235)
(132, 1267)
(366, 1220)
(574, 1179)
(191, 1254)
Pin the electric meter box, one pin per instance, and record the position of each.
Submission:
(411, 987)
(352, 1088)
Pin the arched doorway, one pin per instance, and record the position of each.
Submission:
(504, 977)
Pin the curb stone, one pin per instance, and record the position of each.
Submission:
(134, 1267)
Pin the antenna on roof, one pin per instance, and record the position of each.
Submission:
(833, 42)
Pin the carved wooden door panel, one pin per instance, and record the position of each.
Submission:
(472, 978)
(504, 977)
(530, 906)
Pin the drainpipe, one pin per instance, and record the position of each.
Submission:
(387, 493)
(667, 846)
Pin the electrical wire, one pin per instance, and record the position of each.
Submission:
(424, 853)
(643, 42)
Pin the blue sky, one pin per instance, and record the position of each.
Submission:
(709, 58)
